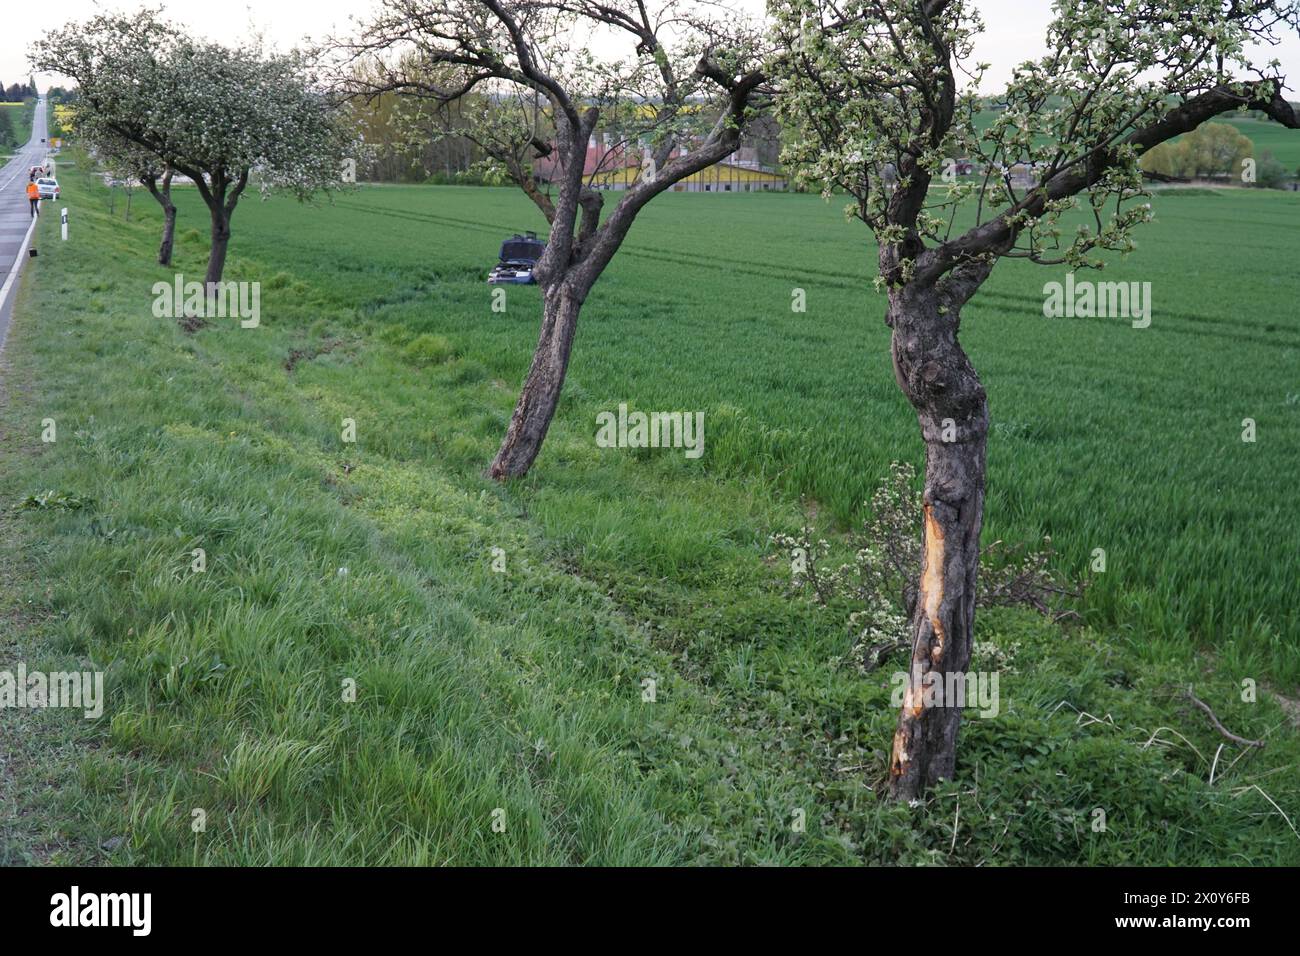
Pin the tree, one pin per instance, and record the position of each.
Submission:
(1169, 161)
(1220, 149)
(239, 111)
(873, 85)
(217, 115)
(131, 162)
(121, 65)
(1211, 150)
(543, 94)
(407, 145)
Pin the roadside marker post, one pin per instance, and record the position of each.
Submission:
(63, 220)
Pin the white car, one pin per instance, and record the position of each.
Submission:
(49, 187)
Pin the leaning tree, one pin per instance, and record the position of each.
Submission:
(590, 89)
(880, 97)
(131, 162)
(222, 117)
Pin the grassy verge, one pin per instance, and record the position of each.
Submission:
(514, 698)
(20, 118)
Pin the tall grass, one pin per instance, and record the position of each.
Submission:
(518, 698)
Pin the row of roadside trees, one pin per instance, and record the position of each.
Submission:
(875, 98)
(154, 102)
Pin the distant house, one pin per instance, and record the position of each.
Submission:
(610, 165)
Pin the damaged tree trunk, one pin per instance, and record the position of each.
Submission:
(541, 391)
(952, 410)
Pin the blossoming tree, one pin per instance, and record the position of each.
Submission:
(133, 162)
(880, 98)
(222, 117)
(677, 84)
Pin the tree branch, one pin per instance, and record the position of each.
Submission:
(998, 235)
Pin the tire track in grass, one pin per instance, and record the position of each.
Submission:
(763, 270)
(836, 280)
(1219, 331)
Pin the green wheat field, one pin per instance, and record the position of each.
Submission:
(517, 697)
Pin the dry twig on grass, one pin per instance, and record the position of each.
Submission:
(1218, 725)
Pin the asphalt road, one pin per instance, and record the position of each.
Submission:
(15, 216)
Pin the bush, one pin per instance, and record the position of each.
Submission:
(1270, 174)
(878, 585)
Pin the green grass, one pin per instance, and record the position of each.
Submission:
(1104, 436)
(523, 691)
(1269, 136)
(20, 115)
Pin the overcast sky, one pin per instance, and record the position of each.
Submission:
(1014, 29)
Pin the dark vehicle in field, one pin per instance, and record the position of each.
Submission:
(519, 254)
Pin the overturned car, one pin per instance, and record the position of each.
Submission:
(519, 254)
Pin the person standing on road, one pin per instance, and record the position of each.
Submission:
(34, 194)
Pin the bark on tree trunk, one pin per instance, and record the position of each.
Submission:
(952, 410)
(164, 197)
(541, 391)
(168, 235)
(220, 241)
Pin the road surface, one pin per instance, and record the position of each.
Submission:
(15, 216)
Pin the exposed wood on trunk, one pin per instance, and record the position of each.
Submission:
(951, 408)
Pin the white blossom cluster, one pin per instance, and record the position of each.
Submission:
(151, 95)
(879, 96)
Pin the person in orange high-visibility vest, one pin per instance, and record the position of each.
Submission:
(34, 194)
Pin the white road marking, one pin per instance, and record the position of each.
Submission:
(16, 268)
(22, 162)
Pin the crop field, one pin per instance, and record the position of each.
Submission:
(1269, 137)
(523, 691)
(1112, 437)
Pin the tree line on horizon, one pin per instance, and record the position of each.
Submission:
(17, 92)
(408, 146)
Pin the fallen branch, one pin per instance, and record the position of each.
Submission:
(1218, 725)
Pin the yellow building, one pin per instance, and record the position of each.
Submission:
(618, 167)
(733, 176)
